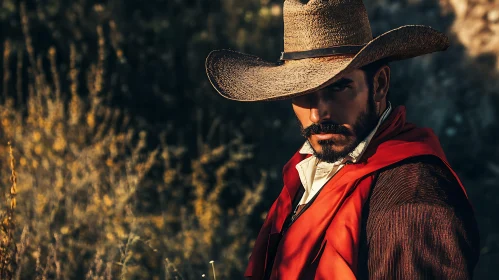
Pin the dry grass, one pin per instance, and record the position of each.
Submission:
(84, 173)
(8, 249)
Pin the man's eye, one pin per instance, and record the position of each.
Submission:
(340, 88)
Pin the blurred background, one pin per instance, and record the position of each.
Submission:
(124, 163)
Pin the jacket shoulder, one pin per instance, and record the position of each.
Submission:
(417, 212)
(421, 179)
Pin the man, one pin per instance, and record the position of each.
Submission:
(368, 195)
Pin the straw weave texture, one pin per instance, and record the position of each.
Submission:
(323, 24)
(309, 26)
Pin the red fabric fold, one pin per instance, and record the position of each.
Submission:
(323, 242)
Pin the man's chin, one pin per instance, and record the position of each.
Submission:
(337, 149)
(329, 155)
(332, 152)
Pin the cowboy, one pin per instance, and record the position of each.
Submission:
(368, 195)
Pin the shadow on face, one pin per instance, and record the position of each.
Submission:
(337, 118)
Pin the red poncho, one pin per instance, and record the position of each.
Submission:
(323, 242)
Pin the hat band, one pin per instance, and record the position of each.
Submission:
(321, 52)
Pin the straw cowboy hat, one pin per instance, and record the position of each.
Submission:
(322, 40)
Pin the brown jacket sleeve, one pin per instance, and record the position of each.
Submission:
(419, 225)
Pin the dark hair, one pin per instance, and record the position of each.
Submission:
(371, 70)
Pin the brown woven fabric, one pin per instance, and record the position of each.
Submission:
(418, 225)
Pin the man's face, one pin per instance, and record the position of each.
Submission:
(335, 119)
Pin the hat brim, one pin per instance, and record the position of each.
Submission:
(243, 77)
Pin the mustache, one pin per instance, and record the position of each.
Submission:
(324, 128)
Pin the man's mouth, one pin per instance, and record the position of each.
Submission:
(325, 131)
(327, 136)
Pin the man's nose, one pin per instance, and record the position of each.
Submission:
(319, 109)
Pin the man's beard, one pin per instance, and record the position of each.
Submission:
(364, 124)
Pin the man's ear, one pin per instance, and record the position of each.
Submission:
(381, 83)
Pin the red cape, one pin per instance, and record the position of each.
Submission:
(323, 242)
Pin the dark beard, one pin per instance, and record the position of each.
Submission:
(364, 124)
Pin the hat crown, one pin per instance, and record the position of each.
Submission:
(318, 24)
